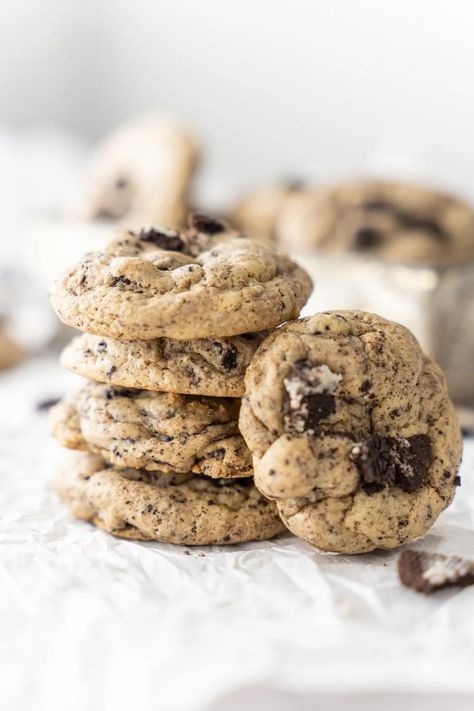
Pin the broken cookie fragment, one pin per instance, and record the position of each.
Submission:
(427, 572)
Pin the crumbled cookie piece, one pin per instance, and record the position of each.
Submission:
(428, 572)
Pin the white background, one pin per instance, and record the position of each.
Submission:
(274, 87)
(294, 87)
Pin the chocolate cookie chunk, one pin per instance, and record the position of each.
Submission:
(351, 430)
(428, 572)
(215, 284)
(156, 431)
(183, 509)
(209, 366)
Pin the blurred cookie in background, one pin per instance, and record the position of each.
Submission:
(392, 221)
(258, 212)
(11, 353)
(141, 174)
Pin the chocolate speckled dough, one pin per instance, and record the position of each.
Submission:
(183, 509)
(141, 174)
(393, 221)
(209, 366)
(155, 431)
(352, 431)
(208, 281)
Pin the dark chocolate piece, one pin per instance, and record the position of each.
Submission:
(206, 225)
(367, 238)
(229, 360)
(393, 461)
(171, 242)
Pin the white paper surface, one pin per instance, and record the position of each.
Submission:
(91, 622)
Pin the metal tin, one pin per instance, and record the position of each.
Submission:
(435, 303)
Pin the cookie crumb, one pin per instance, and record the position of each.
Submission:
(46, 404)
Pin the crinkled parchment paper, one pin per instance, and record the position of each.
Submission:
(91, 622)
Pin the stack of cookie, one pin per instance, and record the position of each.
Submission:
(171, 321)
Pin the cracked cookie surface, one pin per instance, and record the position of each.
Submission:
(209, 366)
(183, 509)
(352, 431)
(156, 431)
(393, 221)
(206, 281)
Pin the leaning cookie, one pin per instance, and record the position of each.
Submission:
(155, 431)
(352, 431)
(206, 281)
(183, 509)
(208, 366)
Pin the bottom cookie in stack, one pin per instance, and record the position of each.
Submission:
(186, 509)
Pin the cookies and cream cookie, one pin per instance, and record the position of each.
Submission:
(352, 431)
(10, 352)
(205, 281)
(208, 366)
(257, 213)
(394, 221)
(141, 174)
(175, 508)
(154, 430)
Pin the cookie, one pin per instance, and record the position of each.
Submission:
(351, 430)
(209, 366)
(392, 221)
(156, 431)
(206, 281)
(10, 352)
(183, 509)
(428, 572)
(141, 174)
(257, 213)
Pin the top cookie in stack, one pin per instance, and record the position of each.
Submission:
(172, 320)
